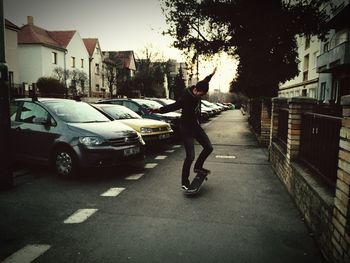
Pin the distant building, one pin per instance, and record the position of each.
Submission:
(333, 64)
(11, 55)
(306, 83)
(324, 66)
(41, 51)
(96, 85)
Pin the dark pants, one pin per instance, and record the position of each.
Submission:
(189, 134)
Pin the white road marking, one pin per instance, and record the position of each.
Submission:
(134, 176)
(161, 157)
(80, 216)
(170, 151)
(176, 146)
(113, 191)
(27, 254)
(226, 156)
(150, 165)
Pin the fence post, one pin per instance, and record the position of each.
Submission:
(297, 106)
(277, 103)
(265, 122)
(341, 211)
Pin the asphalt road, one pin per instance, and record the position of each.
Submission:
(136, 214)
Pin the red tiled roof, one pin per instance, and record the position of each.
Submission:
(62, 37)
(125, 57)
(90, 44)
(31, 34)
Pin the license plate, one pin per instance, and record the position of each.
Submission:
(164, 136)
(131, 151)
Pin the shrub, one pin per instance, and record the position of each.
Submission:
(50, 87)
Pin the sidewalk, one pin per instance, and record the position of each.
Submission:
(247, 198)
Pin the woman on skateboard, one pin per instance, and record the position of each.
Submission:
(190, 103)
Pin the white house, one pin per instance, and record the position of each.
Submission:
(11, 53)
(306, 83)
(96, 85)
(42, 51)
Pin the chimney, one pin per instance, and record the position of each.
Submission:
(30, 20)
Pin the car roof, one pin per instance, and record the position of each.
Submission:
(43, 99)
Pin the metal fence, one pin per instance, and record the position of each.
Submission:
(319, 145)
(282, 129)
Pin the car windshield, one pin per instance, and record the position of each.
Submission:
(120, 112)
(75, 112)
(149, 104)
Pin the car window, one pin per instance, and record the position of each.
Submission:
(30, 111)
(118, 102)
(13, 109)
(132, 106)
(150, 104)
(77, 112)
(121, 112)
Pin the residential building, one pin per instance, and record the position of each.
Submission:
(306, 83)
(96, 85)
(42, 51)
(128, 63)
(333, 64)
(11, 56)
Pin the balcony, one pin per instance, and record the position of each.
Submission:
(335, 59)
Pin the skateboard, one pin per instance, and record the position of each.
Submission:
(196, 183)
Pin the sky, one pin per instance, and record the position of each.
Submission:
(118, 25)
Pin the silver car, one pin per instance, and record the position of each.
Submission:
(69, 134)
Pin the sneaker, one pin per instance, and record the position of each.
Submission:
(201, 170)
(184, 187)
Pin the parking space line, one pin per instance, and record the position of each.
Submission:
(134, 176)
(27, 254)
(80, 216)
(112, 192)
(176, 146)
(150, 165)
(161, 157)
(170, 151)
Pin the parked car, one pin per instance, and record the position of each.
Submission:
(142, 107)
(205, 115)
(150, 130)
(69, 135)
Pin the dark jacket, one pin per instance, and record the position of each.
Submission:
(190, 105)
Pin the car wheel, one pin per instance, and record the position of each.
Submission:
(65, 163)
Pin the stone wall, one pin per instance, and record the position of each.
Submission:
(326, 214)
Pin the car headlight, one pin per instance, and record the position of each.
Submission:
(145, 130)
(91, 140)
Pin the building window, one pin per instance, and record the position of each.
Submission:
(306, 62)
(335, 91)
(73, 62)
(305, 75)
(54, 57)
(304, 93)
(323, 91)
(97, 87)
(11, 82)
(82, 63)
(307, 42)
(97, 69)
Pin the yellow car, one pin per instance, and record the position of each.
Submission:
(150, 130)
